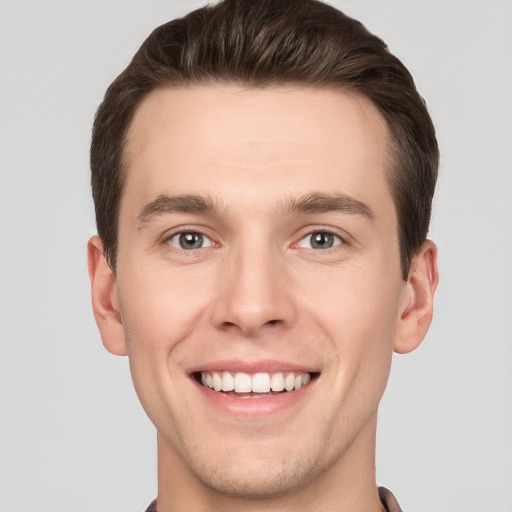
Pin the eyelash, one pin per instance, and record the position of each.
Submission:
(336, 239)
(332, 237)
(185, 233)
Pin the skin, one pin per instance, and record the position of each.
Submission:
(257, 290)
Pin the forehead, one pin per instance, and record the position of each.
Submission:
(259, 141)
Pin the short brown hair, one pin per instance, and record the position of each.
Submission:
(260, 43)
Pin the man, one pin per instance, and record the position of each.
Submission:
(263, 173)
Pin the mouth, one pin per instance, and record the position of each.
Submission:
(255, 385)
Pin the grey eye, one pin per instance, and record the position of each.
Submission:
(189, 240)
(320, 240)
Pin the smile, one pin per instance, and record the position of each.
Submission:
(253, 385)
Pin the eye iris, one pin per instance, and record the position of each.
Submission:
(322, 240)
(191, 240)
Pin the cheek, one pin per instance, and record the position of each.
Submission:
(358, 312)
(160, 311)
(165, 312)
(162, 307)
(358, 298)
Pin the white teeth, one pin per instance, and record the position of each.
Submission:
(289, 382)
(217, 381)
(260, 383)
(277, 382)
(256, 383)
(228, 382)
(242, 383)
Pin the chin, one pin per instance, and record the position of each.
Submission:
(248, 478)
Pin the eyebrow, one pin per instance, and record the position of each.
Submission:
(309, 203)
(165, 204)
(327, 203)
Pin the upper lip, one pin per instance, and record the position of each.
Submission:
(251, 367)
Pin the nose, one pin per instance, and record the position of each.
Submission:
(254, 291)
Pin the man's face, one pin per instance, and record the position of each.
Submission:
(258, 247)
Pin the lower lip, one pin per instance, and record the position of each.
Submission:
(260, 406)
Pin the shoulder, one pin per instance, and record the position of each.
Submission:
(152, 507)
(388, 500)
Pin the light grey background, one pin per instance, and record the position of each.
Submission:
(72, 434)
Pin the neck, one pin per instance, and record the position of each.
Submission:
(347, 485)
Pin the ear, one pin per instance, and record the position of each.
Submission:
(417, 303)
(105, 303)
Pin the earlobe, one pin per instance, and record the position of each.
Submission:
(105, 301)
(417, 305)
